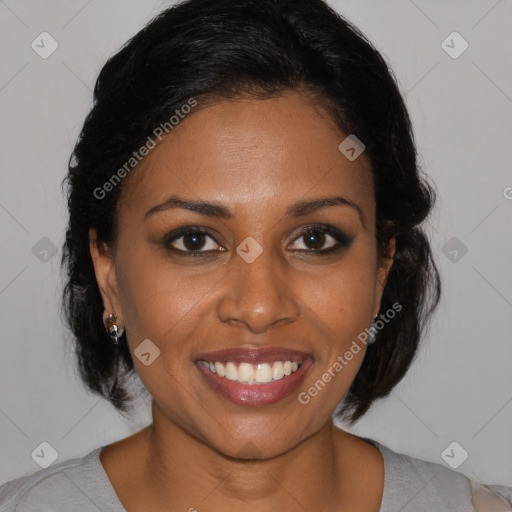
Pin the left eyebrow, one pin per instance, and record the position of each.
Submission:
(302, 208)
(298, 209)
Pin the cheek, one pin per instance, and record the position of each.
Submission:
(343, 294)
(341, 304)
(162, 306)
(156, 295)
(340, 309)
(170, 306)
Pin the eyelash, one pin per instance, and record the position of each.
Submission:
(342, 240)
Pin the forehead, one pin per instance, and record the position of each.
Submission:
(251, 154)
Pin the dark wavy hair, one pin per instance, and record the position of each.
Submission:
(225, 49)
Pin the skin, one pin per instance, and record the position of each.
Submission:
(256, 157)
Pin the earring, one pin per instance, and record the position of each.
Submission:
(113, 330)
(372, 332)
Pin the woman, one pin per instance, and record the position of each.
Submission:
(245, 233)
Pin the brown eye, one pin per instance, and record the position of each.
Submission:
(192, 242)
(320, 240)
(315, 239)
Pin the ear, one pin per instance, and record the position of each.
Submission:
(105, 272)
(383, 268)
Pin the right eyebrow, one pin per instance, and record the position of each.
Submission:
(202, 207)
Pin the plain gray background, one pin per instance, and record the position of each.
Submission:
(460, 387)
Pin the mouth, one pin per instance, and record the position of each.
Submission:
(254, 376)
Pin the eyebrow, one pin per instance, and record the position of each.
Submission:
(217, 210)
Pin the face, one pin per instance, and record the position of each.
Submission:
(266, 274)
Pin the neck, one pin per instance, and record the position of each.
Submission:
(187, 473)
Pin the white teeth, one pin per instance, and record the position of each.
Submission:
(263, 373)
(231, 371)
(278, 370)
(221, 371)
(247, 373)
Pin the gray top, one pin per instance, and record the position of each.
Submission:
(410, 485)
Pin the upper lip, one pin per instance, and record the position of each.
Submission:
(254, 355)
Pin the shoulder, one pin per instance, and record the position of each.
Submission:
(413, 484)
(74, 484)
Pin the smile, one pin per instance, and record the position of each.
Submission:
(256, 376)
(253, 373)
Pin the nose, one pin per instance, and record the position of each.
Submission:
(257, 295)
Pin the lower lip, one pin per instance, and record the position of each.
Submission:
(256, 394)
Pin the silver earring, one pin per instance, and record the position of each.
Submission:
(373, 332)
(113, 330)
